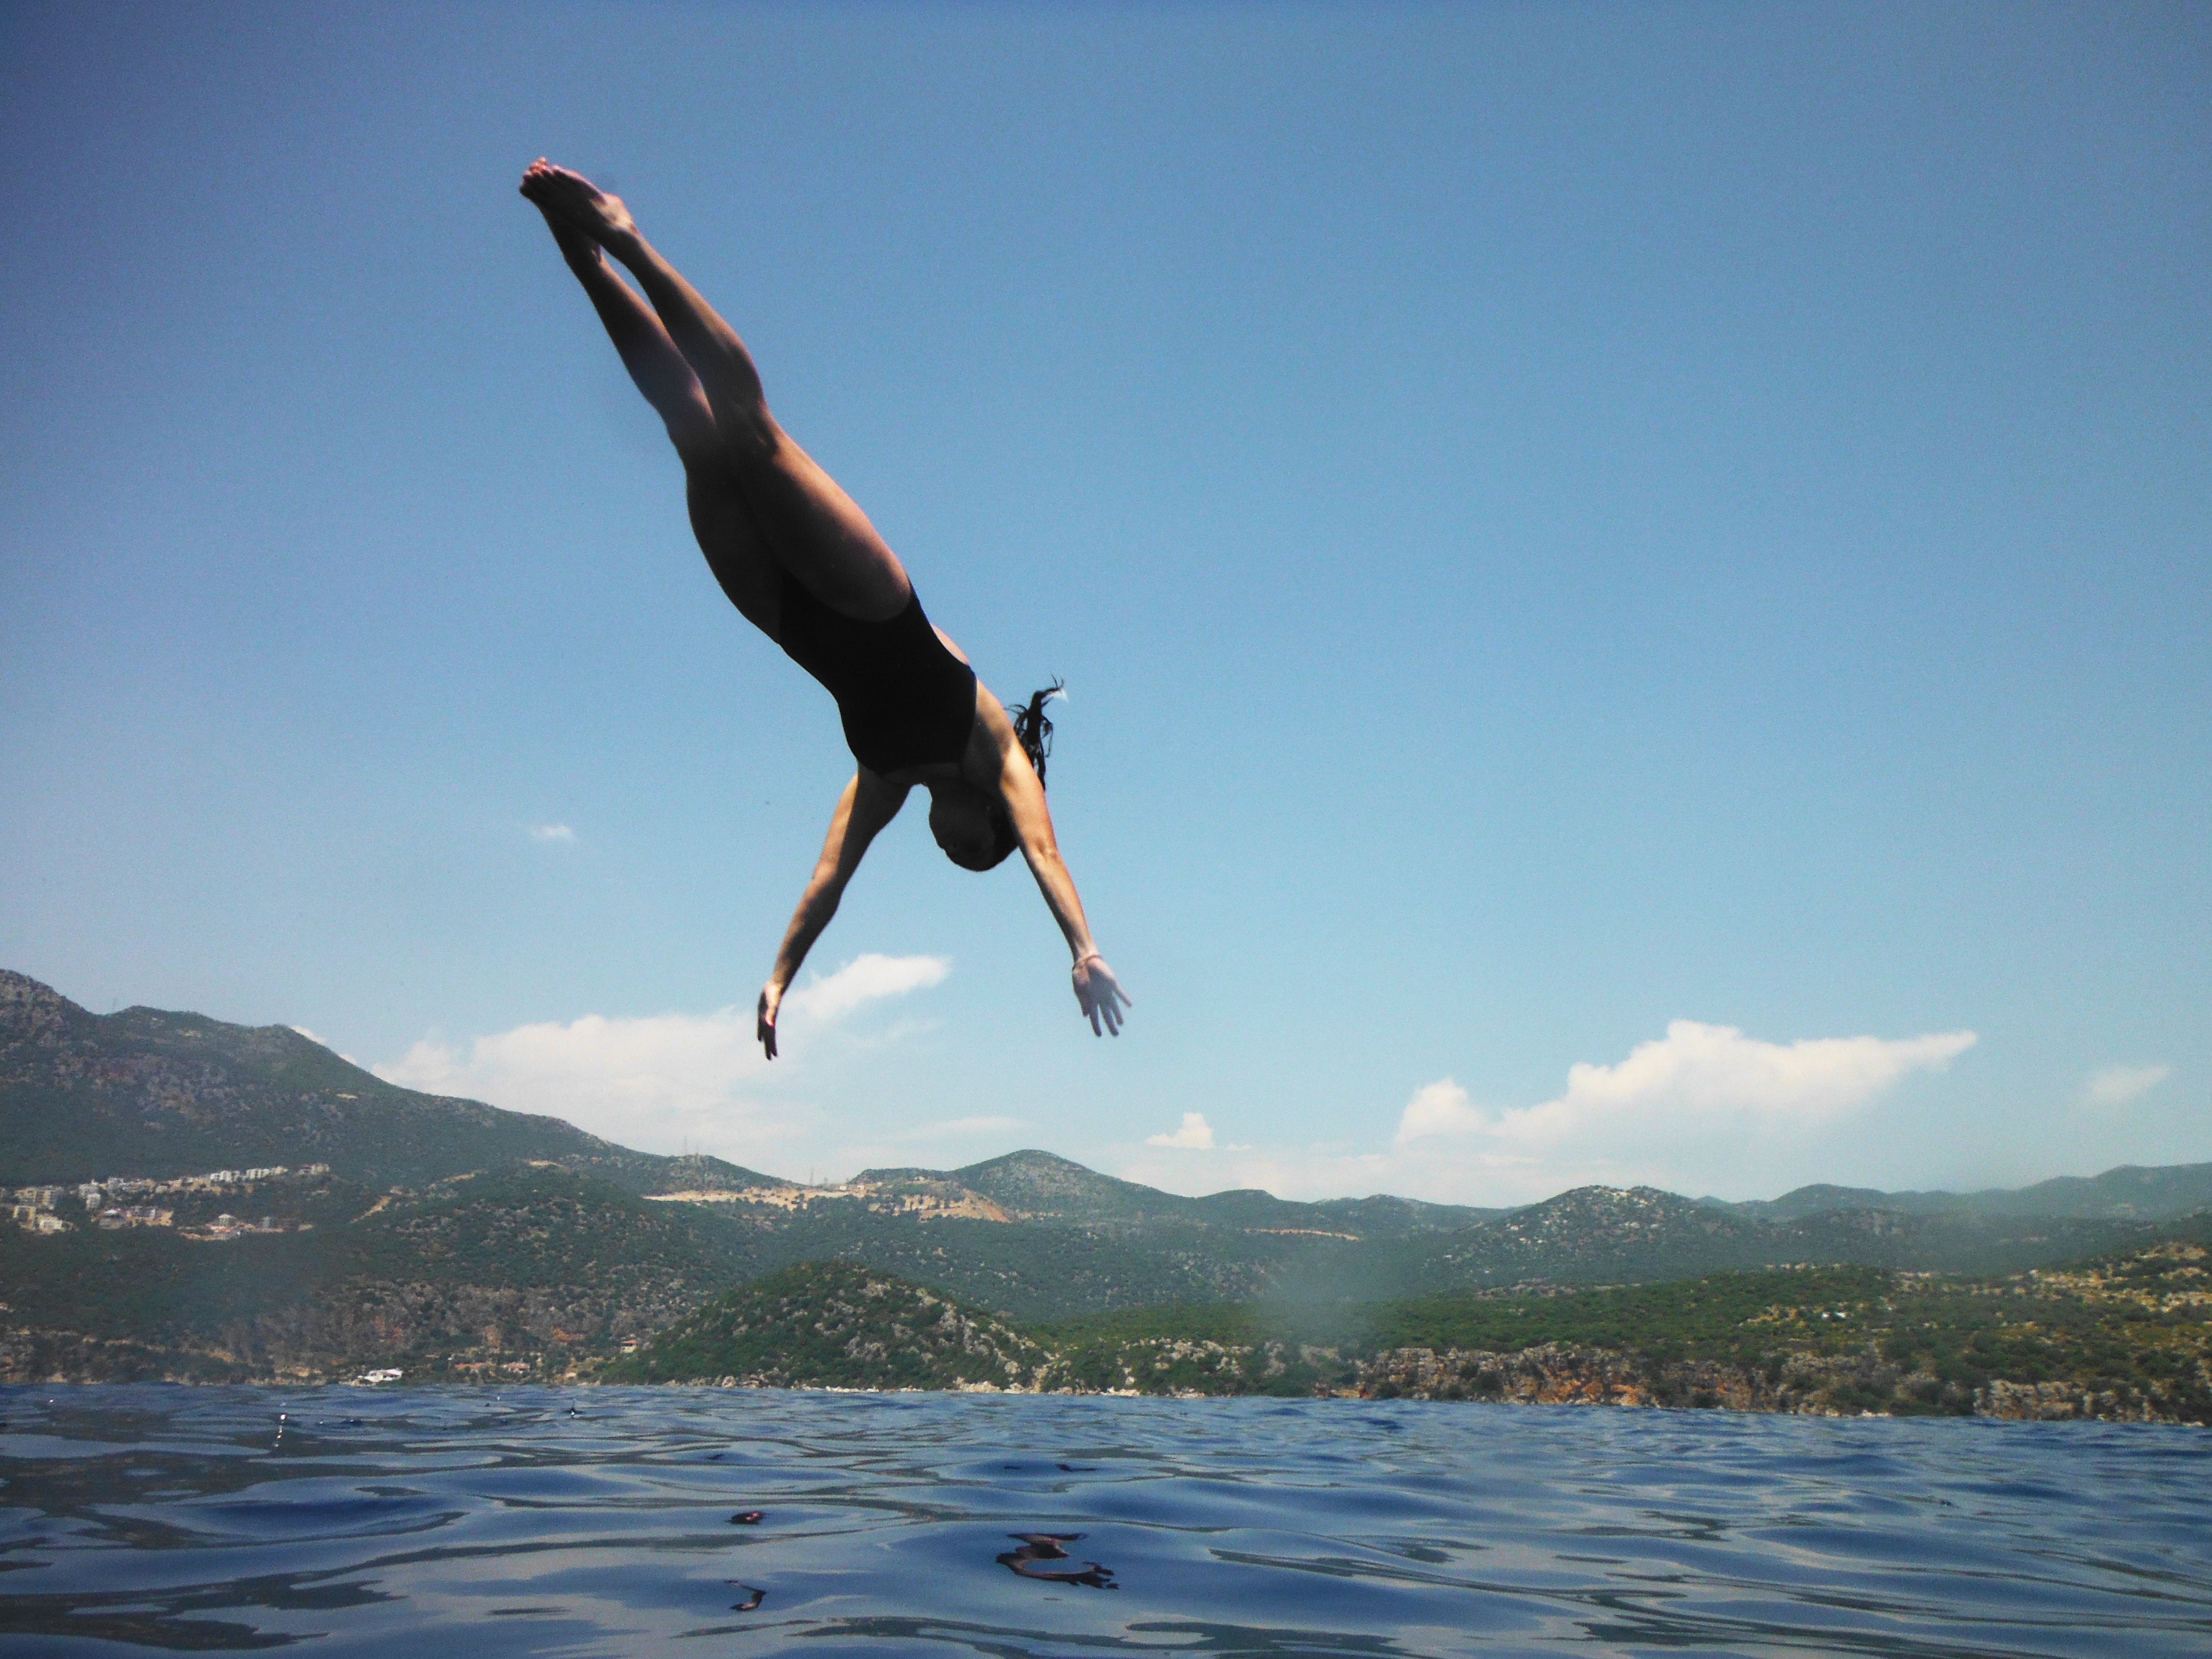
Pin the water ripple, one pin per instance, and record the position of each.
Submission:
(598, 1522)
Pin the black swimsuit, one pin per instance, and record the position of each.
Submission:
(904, 699)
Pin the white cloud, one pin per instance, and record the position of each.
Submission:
(1196, 1135)
(1702, 1109)
(665, 1080)
(1696, 1076)
(1704, 1077)
(560, 832)
(864, 978)
(630, 1080)
(2116, 1086)
(1438, 1108)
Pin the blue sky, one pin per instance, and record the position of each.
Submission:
(1633, 579)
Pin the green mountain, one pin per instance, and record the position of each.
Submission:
(520, 1271)
(453, 1236)
(833, 1324)
(1600, 1235)
(150, 1093)
(1043, 1269)
(2128, 1193)
(2122, 1337)
(1100, 1244)
(2125, 1336)
(1037, 1186)
(1039, 1237)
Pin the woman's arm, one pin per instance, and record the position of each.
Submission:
(1097, 993)
(867, 804)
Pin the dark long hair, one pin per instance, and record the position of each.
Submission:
(1034, 729)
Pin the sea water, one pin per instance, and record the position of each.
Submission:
(599, 1521)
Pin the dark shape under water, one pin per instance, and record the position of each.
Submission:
(1042, 1557)
(746, 1518)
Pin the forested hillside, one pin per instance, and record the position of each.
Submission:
(452, 1238)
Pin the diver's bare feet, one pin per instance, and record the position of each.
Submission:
(574, 201)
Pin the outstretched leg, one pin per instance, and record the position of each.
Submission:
(655, 365)
(812, 527)
(736, 552)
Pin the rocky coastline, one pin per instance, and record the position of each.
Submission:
(1553, 1374)
(1817, 1385)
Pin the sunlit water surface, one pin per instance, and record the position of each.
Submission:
(598, 1521)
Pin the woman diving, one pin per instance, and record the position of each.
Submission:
(803, 564)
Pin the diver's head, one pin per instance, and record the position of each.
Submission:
(972, 826)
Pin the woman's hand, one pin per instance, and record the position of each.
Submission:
(771, 998)
(1100, 995)
(867, 804)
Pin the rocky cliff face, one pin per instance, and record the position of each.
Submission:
(2062, 1402)
(1805, 1385)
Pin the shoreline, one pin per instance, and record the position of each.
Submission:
(1832, 1388)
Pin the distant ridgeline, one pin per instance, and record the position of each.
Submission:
(367, 1226)
(150, 1094)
